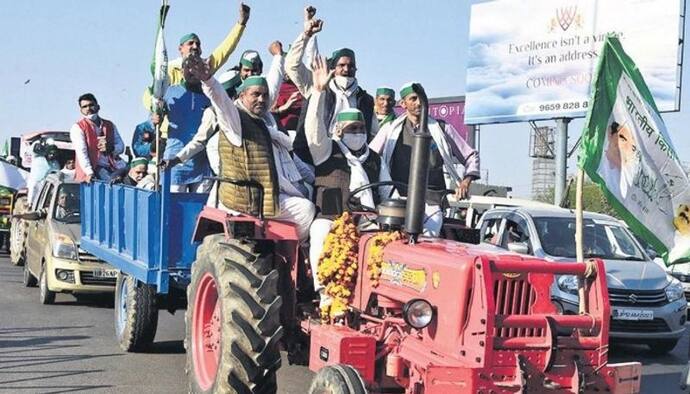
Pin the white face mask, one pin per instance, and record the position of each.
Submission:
(354, 141)
(92, 117)
(343, 82)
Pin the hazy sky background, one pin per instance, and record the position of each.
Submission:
(57, 50)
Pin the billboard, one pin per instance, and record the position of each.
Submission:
(536, 62)
(450, 110)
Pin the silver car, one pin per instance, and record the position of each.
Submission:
(647, 305)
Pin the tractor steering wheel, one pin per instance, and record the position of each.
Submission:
(361, 208)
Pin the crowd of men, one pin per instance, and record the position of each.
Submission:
(306, 131)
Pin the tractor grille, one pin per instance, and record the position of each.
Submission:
(656, 325)
(620, 297)
(514, 297)
(87, 278)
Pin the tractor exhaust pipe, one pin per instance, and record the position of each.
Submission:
(419, 171)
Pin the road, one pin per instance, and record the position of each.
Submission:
(69, 347)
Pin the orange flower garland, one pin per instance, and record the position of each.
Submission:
(338, 266)
(379, 243)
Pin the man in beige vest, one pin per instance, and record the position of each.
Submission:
(250, 146)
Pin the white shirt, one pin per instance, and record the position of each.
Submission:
(81, 151)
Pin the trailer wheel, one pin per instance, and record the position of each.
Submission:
(18, 233)
(29, 280)
(46, 296)
(233, 318)
(337, 379)
(136, 313)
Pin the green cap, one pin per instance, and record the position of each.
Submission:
(338, 53)
(385, 91)
(407, 89)
(254, 80)
(251, 59)
(350, 115)
(138, 161)
(189, 36)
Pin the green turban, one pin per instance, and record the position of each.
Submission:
(189, 36)
(138, 161)
(385, 91)
(254, 80)
(407, 89)
(338, 53)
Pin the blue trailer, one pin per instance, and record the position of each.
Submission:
(147, 235)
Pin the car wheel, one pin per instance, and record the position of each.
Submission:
(662, 346)
(46, 296)
(29, 280)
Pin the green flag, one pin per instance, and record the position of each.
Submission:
(627, 152)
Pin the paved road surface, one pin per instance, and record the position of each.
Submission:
(69, 347)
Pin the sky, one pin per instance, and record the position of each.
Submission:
(56, 50)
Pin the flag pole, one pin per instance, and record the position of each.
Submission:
(579, 250)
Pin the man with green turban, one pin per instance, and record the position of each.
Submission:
(191, 43)
(343, 89)
(385, 101)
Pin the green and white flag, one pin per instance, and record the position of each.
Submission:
(627, 152)
(159, 63)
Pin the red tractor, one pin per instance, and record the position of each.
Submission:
(444, 317)
(438, 316)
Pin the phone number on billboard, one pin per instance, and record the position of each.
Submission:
(563, 106)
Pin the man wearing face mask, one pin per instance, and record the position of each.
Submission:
(96, 142)
(343, 162)
(250, 146)
(394, 143)
(343, 89)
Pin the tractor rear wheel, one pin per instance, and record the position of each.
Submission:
(18, 233)
(337, 379)
(136, 313)
(233, 318)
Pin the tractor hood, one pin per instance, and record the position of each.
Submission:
(439, 271)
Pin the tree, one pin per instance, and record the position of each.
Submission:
(593, 199)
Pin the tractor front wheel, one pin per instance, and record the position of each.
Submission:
(233, 318)
(136, 313)
(337, 379)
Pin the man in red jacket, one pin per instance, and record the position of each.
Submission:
(96, 143)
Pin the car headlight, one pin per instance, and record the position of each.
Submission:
(418, 313)
(568, 283)
(64, 248)
(674, 291)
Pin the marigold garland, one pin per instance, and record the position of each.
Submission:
(378, 244)
(338, 266)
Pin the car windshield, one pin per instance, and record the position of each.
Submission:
(67, 204)
(601, 238)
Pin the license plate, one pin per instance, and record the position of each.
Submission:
(102, 274)
(632, 314)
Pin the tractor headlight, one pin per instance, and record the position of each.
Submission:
(568, 283)
(418, 313)
(674, 291)
(64, 248)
